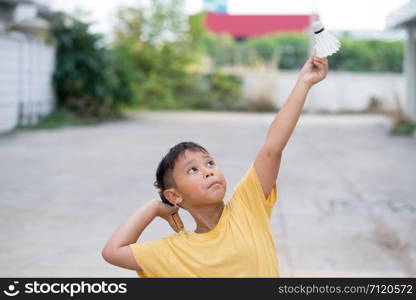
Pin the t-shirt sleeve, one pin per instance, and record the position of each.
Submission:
(249, 193)
(151, 257)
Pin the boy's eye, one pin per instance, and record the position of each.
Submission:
(193, 168)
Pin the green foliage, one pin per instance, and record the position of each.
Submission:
(223, 49)
(291, 51)
(89, 79)
(161, 45)
(368, 56)
(291, 48)
(226, 90)
(155, 61)
(58, 119)
(405, 127)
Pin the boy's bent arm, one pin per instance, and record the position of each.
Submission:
(268, 160)
(117, 251)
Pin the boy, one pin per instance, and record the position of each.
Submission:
(230, 240)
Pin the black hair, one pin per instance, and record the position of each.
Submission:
(164, 172)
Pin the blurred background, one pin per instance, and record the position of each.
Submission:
(93, 94)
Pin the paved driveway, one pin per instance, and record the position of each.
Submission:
(346, 207)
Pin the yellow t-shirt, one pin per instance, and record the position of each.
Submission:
(240, 245)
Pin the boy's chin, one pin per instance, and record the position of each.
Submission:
(216, 200)
(219, 199)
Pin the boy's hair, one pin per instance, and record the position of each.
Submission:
(164, 172)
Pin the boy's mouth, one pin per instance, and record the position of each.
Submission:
(214, 183)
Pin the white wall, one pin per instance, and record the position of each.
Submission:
(26, 68)
(410, 71)
(340, 91)
(9, 88)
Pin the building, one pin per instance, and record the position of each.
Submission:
(246, 26)
(405, 17)
(219, 21)
(26, 64)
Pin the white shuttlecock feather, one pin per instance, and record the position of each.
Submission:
(325, 43)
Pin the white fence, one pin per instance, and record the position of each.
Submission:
(26, 68)
(339, 92)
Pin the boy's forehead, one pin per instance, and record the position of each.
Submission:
(189, 155)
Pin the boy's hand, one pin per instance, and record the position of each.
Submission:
(314, 70)
(170, 214)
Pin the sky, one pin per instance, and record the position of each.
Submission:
(356, 15)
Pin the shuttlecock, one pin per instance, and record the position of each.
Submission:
(325, 43)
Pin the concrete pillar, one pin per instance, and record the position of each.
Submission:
(410, 72)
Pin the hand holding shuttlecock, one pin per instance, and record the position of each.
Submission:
(325, 43)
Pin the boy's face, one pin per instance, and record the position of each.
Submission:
(196, 175)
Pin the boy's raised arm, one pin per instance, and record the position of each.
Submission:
(267, 162)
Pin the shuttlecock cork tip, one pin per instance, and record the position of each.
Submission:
(317, 27)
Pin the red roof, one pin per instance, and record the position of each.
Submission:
(243, 26)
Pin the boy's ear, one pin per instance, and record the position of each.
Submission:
(172, 195)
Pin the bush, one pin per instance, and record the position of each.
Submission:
(222, 49)
(89, 80)
(161, 67)
(291, 51)
(225, 90)
(58, 119)
(369, 56)
(290, 48)
(215, 91)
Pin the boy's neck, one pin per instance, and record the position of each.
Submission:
(208, 217)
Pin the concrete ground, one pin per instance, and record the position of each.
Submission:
(346, 207)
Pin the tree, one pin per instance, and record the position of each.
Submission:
(88, 79)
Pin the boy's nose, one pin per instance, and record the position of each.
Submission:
(208, 173)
